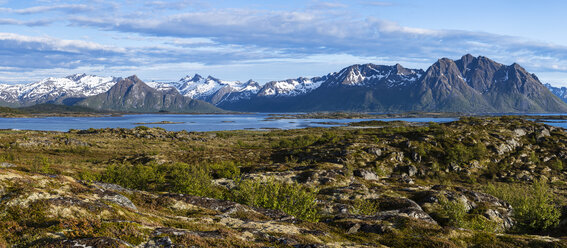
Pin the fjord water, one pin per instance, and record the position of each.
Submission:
(200, 122)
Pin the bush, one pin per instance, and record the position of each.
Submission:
(177, 177)
(534, 210)
(225, 169)
(455, 214)
(193, 180)
(292, 199)
(297, 142)
(139, 176)
(557, 165)
(366, 206)
(40, 165)
(457, 153)
(453, 211)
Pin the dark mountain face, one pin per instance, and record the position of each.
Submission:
(133, 95)
(470, 84)
(443, 88)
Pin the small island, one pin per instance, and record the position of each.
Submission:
(159, 122)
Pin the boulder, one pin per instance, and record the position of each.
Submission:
(120, 200)
(375, 151)
(408, 170)
(163, 242)
(519, 132)
(542, 133)
(366, 175)
(7, 165)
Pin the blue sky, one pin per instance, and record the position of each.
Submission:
(271, 40)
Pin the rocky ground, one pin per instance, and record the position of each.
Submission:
(477, 182)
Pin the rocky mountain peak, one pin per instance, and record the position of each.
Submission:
(251, 82)
(400, 70)
(194, 78)
(134, 79)
(76, 77)
(352, 75)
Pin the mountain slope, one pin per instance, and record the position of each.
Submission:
(67, 90)
(133, 95)
(470, 84)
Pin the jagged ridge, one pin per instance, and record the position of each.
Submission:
(470, 84)
(133, 95)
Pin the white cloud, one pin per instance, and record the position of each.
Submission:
(175, 32)
(8, 21)
(48, 43)
(42, 9)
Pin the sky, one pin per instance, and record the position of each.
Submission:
(272, 40)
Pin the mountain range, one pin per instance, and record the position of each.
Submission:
(133, 95)
(469, 84)
(560, 92)
(67, 90)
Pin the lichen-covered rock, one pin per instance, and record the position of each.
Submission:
(120, 200)
(366, 175)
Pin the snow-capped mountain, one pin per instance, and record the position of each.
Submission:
(372, 75)
(369, 75)
(560, 92)
(209, 89)
(290, 87)
(133, 95)
(55, 90)
(469, 84)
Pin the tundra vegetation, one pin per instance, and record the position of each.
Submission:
(476, 182)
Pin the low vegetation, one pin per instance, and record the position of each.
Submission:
(534, 208)
(476, 182)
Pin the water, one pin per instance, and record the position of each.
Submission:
(556, 123)
(201, 122)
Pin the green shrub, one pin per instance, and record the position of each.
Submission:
(557, 165)
(193, 180)
(40, 165)
(7, 157)
(297, 142)
(138, 176)
(292, 199)
(225, 169)
(457, 153)
(479, 151)
(534, 210)
(366, 206)
(454, 213)
(88, 176)
(177, 177)
(534, 158)
(329, 138)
